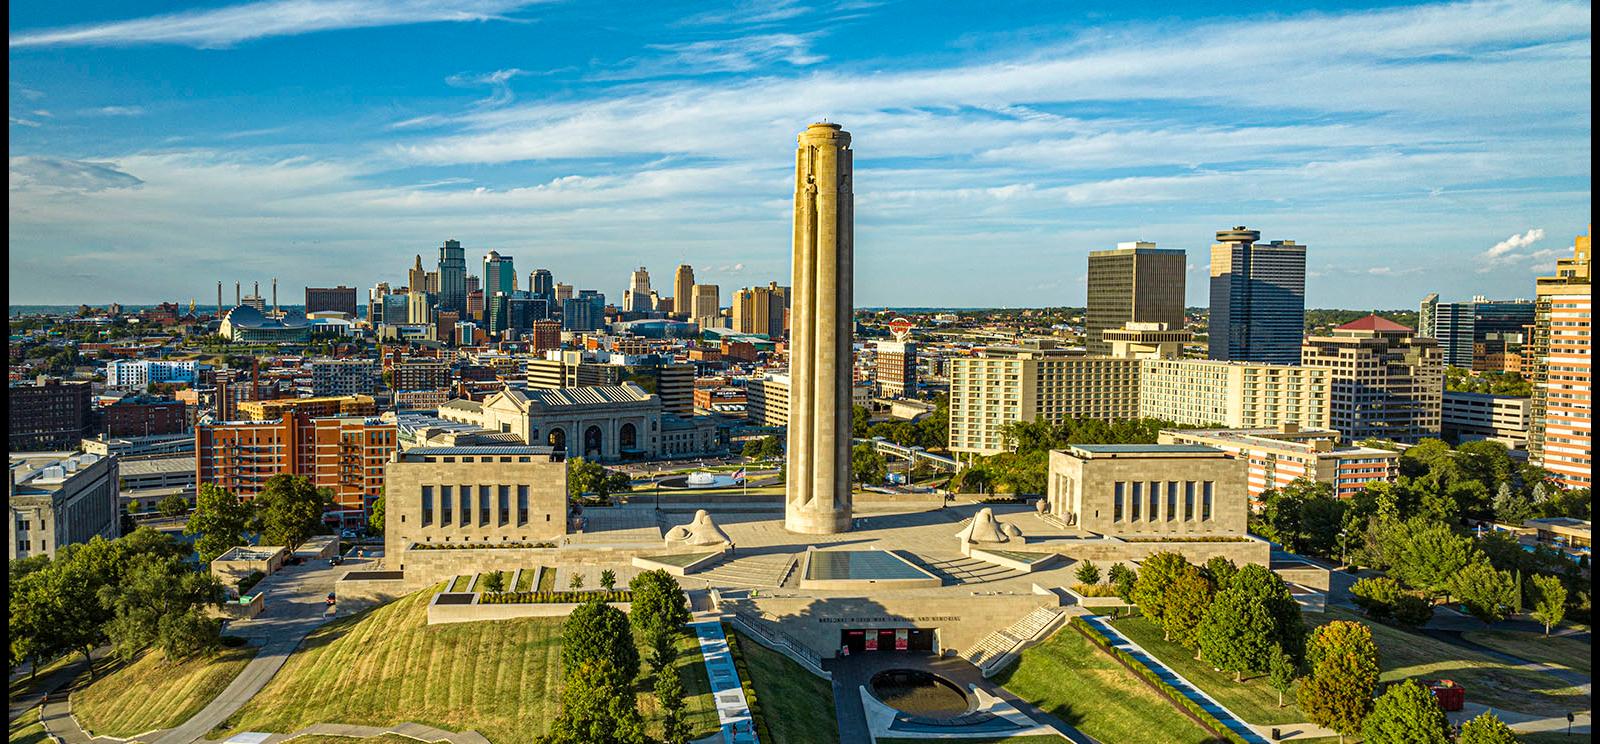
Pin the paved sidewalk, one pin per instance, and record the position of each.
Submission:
(410, 730)
(50, 682)
(733, 711)
(1209, 704)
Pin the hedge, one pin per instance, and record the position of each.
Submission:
(619, 595)
(746, 681)
(1151, 678)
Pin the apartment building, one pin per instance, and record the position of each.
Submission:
(1563, 409)
(1002, 384)
(1278, 456)
(336, 405)
(767, 400)
(343, 453)
(331, 377)
(1233, 394)
(139, 373)
(895, 368)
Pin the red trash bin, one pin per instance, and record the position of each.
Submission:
(1450, 695)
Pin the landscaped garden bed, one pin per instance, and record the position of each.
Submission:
(480, 545)
(546, 597)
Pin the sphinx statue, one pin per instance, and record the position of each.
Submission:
(699, 532)
(986, 530)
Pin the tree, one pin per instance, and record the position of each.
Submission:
(1236, 633)
(173, 506)
(290, 509)
(1344, 672)
(1511, 507)
(1088, 573)
(1428, 556)
(1281, 672)
(659, 604)
(160, 601)
(589, 478)
(1281, 519)
(608, 579)
(1186, 603)
(1376, 596)
(1487, 593)
(494, 582)
(674, 722)
(1406, 713)
(1156, 575)
(1549, 601)
(751, 449)
(1486, 729)
(866, 465)
(1288, 627)
(1411, 610)
(598, 632)
(576, 582)
(220, 521)
(1125, 580)
(1221, 570)
(375, 515)
(771, 447)
(597, 707)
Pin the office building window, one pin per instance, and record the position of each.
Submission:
(1116, 502)
(444, 506)
(1205, 502)
(522, 505)
(427, 505)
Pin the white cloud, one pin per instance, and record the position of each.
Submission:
(226, 26)
(1511, 251)
(21, 122)
(1514, 242)
(116, 111)
(499, 83)
(41, 174)
(720, 55)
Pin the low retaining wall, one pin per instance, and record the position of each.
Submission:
(1015, 565)
(1314, 577)
(243, 608)
(647, 564)
(424, 568)
(1110, 551)
(1084, 601)
(441, 614)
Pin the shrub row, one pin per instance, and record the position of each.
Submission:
(748, 683)
(1154, 680)
(249, 582)
(479, 546)
(1095, 590)
(1001, 500)
(619, 595)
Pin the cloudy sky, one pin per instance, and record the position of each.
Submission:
(1414, 148)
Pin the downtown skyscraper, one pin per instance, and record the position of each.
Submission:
(499, 275)
(452, 277)
(1258, 298)
(1135, 282)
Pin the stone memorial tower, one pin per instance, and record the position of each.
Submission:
(817, 501)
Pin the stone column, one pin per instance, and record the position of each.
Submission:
(817, 501)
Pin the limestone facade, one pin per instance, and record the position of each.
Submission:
(472, 495)
(1149, 490)
(817, 499)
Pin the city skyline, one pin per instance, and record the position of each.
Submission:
(167, 135)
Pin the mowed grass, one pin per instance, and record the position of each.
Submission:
(28, 730)
(1047, 739)
(1068, 677)
(1569, 653)
(153, 693)
(525, 580)
(387, 666)
(1253, 699)
(796, 704)
(1406, 655)
(547, 578)
(325, 739)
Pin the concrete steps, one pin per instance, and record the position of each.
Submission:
(995, 650)
(753, 570)
(967, 570)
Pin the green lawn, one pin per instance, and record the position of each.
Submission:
(1550, 737)
(167, 693)
(1253, 699)
(380, 739)
(1405, 655)
(27, 729)
(387, 666)
(23, 684)
(1070, 678)
(1047, 739)
(796, 704)
(525, 580)
(547, 578)
(460, 583)
(1559, 651)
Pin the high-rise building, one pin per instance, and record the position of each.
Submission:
(499, 275)
(432, 282)
(817, 496)
(417, 277)
(452, 277)
(475, 304)
(683, 290)
(345, 454)
(1562, 374)
(375, 298)
(340, 299)
(1464, 328)
(1135, 282)
(419, 307)
(586, 312)
(48, 415)
(761, 310)
(542, 284)
(546, 336)
(344, 376)
(637, 298)
(895, 367)
(1384, 381)
(999, 385)
(563, 292)
(474, 283)
(569, 371)
(704, 308)
(1258, 298)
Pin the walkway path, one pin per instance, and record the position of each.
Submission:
(1166, 674)
(51, 681)
(295, 606)
(733, 711)
(408, 730)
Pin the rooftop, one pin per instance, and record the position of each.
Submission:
(1373, 323)
(477, 451)
(1141, 450)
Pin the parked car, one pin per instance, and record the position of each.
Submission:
(334, 561)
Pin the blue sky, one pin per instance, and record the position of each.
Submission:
(1414, 148)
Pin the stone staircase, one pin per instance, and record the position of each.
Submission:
(751, 570)
(965, 570)
(995, 650)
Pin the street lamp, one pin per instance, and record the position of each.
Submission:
(1343, 544)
